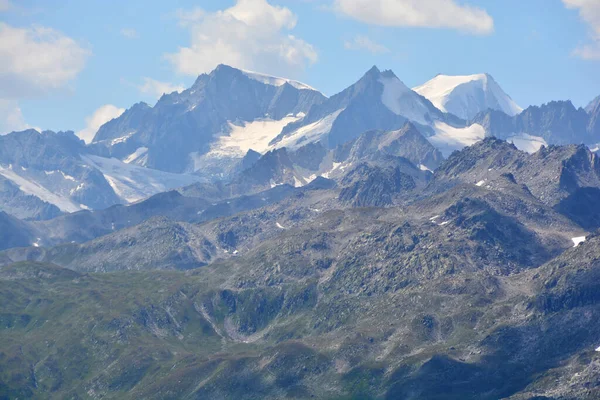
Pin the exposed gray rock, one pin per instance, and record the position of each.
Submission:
(189, 122)
(406, 142)
(557, 122)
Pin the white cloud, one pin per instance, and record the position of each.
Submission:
(588, 52)
(36, 60)
(11, 117)
(589, 11)
(129, 33)
(158, 88)
(364, 43)
(252, 34)
(101, 116)
(418, 13)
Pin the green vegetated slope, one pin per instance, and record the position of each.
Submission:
(310, 326)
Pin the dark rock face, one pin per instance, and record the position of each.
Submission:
(583, 207)
(309, 156)
(273, 167)
(406, 142)
(594, 124)
(486, 225)
(557, 122)
(551, 174)
(23, 206)
(53, 161)
(373, 186)
(15, 233)
(249, 160)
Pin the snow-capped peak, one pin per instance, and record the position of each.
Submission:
(276, 81)
(467, 95)
(401, 100)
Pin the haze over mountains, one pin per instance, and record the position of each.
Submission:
(251, 238)
(230, 117)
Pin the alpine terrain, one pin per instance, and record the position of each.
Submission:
(251, 238)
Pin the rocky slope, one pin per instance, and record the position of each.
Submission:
(552, 175)
(557, 122)
(43, 175)
(406, 142)
(590, 107)
(477, 281)
(16, 233)
(402, 311)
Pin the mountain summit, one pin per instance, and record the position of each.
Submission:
(378, 100)
(467, 95)
(223, 115)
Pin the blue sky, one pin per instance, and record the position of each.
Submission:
(68, 64)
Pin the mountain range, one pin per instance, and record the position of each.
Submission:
(252, 238)
(230, 118)
(385, 281)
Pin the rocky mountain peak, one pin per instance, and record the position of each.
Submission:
(593, 105)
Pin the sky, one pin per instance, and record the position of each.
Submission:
(73, 65)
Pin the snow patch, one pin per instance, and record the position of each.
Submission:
(36, 189)
(578, 240)
(298, 183)
(528, 143)
(311, 178)
(68, 177)
(133, 183)
(309, 133)
(448, 138)
(400, 100)
(65, 176)
(77, 189)
(254, 135)
(122, 139)
(334, 168)
(136, 155)
(424, 168)
(276, 81)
